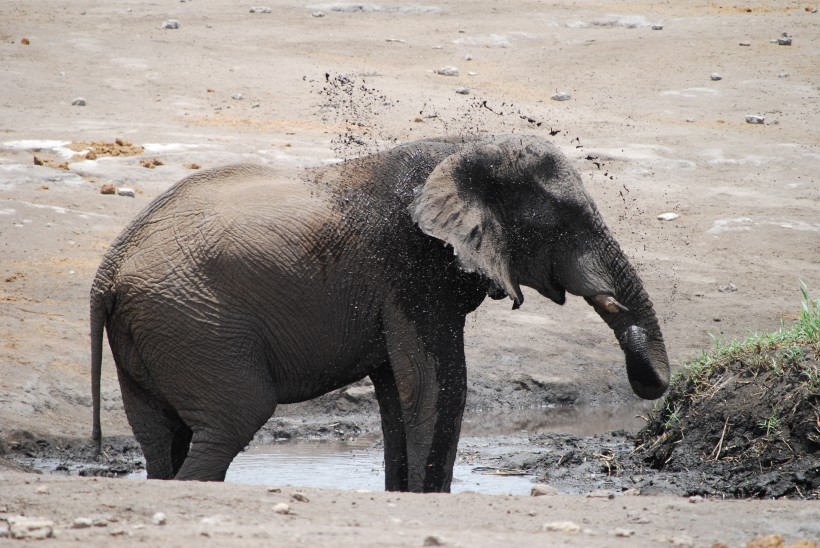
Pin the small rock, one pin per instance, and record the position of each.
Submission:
(81, 523)
(170, 24)
(768, 541)
(690, 120)
(601, 494)
(274, 490)
(159, 518)
(128, 192)
(300, 497)
(562, 526)
(78, 102)
(433, 540)
(108, 189)
(783, 75)
(38, 161)
(633, 492)
(463, 90)
(25, 41)
(755, 119)
(540, 490)
(468, 57)
(784, 40)
(668, 216)
(237, 97)
(745, 44)
(193, 165)
(22, 527)
(694, 499)
(42, 490)
(715, 77)
(657, 27)
(621, 532)
(261, 9)
(728, 288)
(448, 71)
(561, 96)
(282, 508)
(4, 530)
(682, 540)
(318, 14)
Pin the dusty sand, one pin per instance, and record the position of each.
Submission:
(660, 135)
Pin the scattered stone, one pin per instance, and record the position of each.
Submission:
(42, 490)
(318, 14)
(715, 77)
(25, 41)
(193, 165)
(728, 288)
(38, 161)
(448, 71)
(690, 120)
(81, 523)
(78, 102)
(108, 189)
(682, 540)
(561, 96)
(261, 9)
(694, 499)
(274, 490)
(540, 490)
(784, 40)
(396, 40)
(237, 97)
(159, 518)
(128, 192)
(601, 494)
(621, 532)
(562, 527)
(282, 508)
(4, 530)
(468, 57)
(170, 24)
(301, 497)
(657, 27)
(463, 90)
(745, 44)
(668, 216)
(22, 527)
(755, 119)
(633, 492)
(433, 540)
(783, 75)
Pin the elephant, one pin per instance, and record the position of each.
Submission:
(240, 288)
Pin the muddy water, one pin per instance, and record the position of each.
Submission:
(486, 438)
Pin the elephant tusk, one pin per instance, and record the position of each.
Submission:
(609, 303)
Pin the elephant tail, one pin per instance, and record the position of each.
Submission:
(100, 300)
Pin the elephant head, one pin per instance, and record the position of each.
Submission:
(514, 209)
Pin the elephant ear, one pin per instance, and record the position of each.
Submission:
(455, 205)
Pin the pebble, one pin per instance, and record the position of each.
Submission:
(754, 119)
(282, 508)
(728, 288)
(745, 44)
(601, 494)
(22, 527)
(657, 27)
(300, 497)
(463, 90)
(237, 97)
(170, 24)
(433, 540)
(562, 526)
(715, 77)
(261, 9)
(81, 523)
(448, 71)
(540, 490)
(561, 96)
(668, 216)
(468, 57)
(784, 40)
(318, 14)
(78, 102)
(159, 518)
(42, 490)
(129, 192)
(694, 499)
(621, 532)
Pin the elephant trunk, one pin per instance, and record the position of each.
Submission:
(629, 313)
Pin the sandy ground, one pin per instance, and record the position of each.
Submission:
(651, 132)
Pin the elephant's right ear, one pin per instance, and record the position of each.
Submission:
(452, 205)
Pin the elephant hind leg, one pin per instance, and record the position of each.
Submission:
(161, 433)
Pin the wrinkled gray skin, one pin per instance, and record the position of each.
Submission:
(238, 289)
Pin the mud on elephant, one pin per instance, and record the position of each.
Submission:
(239, 289)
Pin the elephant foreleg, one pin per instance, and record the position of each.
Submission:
(395, 442)
(427, 359)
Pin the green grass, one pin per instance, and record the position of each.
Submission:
(766, 353)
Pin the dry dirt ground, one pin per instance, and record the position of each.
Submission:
(649, 128)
